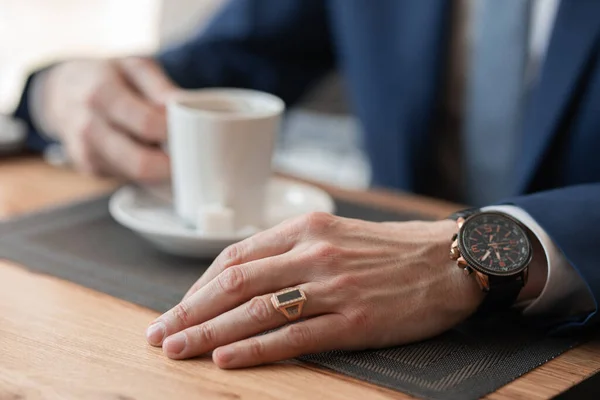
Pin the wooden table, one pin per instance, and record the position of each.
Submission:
(59, 340)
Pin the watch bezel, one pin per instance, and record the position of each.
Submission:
(475, 264)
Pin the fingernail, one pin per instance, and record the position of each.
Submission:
(175, 344)
(156, 333)
(225, 355)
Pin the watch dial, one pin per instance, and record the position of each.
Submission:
(495, 243)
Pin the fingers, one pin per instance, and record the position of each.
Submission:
(269, 243)
(127, 157)
(125, 108)
(229, 289)
(315, 335)
(84, 156)
(148, 78)
(253, 317)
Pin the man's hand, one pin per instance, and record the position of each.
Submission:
(368, 285)
(110, 115)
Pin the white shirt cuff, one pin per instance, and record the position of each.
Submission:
(36, 109)
(13, 134)
(565, 293)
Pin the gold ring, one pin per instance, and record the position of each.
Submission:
(289, 302)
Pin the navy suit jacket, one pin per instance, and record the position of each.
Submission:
(392, 54)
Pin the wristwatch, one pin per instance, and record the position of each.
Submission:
(496, 249)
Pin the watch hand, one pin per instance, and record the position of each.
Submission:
(486, 255)
(498, 243)
(498, 255)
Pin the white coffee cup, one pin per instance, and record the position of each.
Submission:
(221, 143)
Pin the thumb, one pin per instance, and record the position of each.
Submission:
(148, 78)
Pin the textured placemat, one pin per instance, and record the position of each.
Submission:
(81, 243)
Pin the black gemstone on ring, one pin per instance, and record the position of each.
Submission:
(289, 296)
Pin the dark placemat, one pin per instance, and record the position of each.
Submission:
(81, 243)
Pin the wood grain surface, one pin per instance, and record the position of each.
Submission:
(62, 341)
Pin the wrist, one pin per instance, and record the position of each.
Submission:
(466, 295)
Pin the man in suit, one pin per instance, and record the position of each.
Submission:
(527, 132)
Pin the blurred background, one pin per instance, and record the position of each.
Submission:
(320, 140)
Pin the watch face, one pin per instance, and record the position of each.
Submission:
(495, 244)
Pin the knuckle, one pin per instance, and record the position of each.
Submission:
(326, 253)
(231, 280)
(298, 336)
(259, 311)
(360, 319)
(257, 349)
(206, 334)
(318, 222)
(232, 255)
(345, 283)
(182, 314)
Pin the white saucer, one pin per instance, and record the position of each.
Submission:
(148, 211)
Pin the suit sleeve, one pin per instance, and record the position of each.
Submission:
(571, 218)
(281, 47)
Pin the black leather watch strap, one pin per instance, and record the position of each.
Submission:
(503, 293)
(464, 213)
